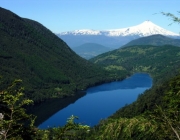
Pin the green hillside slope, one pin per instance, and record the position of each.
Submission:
(47, 66)
(159, 61)
(155, 40)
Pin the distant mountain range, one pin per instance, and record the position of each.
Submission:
(114, 38)
(89, 50)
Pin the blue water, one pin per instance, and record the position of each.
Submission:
(102, 101)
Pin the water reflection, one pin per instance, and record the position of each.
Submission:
(105, 101)
(46, 109)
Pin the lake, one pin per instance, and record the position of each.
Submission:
(101, 101)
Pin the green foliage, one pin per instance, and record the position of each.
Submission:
(137, 128)
(71, 131)
(14, 122)
(169, 112)
(174, 18)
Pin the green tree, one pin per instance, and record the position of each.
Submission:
(168, 114)
(71, 131)
(174, 18)
(14, 122)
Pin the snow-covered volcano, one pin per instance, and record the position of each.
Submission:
(114, 38)
(146, 28)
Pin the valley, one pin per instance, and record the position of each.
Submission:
(50, 71)
(90, 50)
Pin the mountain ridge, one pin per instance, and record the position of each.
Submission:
(114, 38)
(156, 40)
(146, 28)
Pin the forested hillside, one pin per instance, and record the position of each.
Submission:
(161, 62)
(50, 69)
(47, 66)
(155, 40)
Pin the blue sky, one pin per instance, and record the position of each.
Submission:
(68, 15)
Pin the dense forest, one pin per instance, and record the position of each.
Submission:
(37, 65)
(47, 66)
(161, 62)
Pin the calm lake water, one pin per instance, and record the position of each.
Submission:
(102, 101)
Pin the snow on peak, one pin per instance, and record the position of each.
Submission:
(146, 28)
(82, 32)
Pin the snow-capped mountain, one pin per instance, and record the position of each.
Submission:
(82, 32)
(146, 28)
(114, 38)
